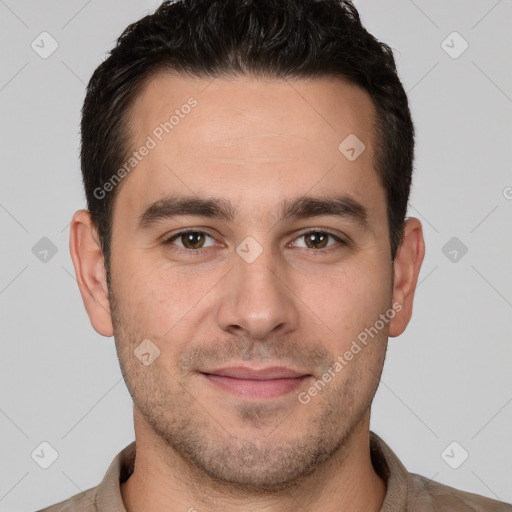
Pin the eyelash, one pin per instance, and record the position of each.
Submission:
(200, 251)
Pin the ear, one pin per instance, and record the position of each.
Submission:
(407, 264)
(89, 264)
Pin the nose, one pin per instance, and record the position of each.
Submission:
(258, 302)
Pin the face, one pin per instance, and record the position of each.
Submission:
(285, 266)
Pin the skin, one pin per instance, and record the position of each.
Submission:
(254, 143)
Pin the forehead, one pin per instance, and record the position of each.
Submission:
(244, 136)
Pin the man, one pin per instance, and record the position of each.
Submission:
(247, 167)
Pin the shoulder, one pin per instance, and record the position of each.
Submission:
(425, 494)
(82, 502)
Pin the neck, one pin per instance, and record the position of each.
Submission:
(162, 480)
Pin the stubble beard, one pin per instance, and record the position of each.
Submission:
(215, 454)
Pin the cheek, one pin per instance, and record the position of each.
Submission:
(164, 300)
(348, 301)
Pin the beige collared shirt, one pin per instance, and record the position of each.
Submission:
(405, 491)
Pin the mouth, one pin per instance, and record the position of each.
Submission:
(251, 383)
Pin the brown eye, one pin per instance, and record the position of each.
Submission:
(316, 240)
(192, 239)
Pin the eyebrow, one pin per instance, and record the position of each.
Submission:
(343, 206)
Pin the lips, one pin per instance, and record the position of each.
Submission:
(252, 383)
(244, 372)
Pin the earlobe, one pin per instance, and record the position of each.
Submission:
(85, 249)
(407, 267)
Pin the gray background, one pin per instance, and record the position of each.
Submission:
(447, 378)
